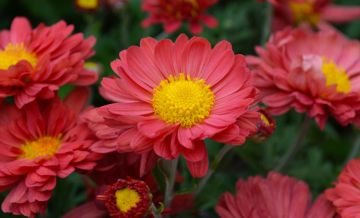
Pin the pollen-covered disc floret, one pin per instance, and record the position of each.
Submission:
(14, 53)
(336, 75)
(304, 12)
(183, 100)
(127, 199)
(43, 147)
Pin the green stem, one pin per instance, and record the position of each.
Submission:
(170, 180)
(304, 129)
(212, 169)
(154, 211)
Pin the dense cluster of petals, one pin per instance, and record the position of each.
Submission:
(170, 96)
(313, 12)
(273, 197)
(345, 194)
(34, 63)
(313, 72)
(39, 143)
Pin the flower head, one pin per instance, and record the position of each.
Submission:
(172, 96)
(34, 63)
(313, 12)
(266, 126)
(127, 199)
(172, 13)
(313, 72)
(345, 195)
(41, 142)
(273, 197)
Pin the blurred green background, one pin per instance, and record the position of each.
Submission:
(318, 161)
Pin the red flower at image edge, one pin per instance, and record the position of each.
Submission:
(39, 143)
(313, 72)
(273, 197)
(34, 63)
(345, 195)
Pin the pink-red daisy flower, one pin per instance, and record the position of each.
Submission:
(273, 197)
(313, 72)
(346, 194)
(34, 63)
(39, 143)
(313, 12)
(170, 96)
(172, 13)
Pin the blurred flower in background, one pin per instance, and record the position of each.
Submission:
(95, 5)
(313, 12)
(273, 197)
(173, 13)
(88, 5)
(34, 63)
(313, 72)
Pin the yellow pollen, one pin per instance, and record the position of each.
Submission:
(264, 119)
(336, 75)
(88, 4)
(13, 53)
(183, 100)
(126, 199)
(304, 12)
(45, 146)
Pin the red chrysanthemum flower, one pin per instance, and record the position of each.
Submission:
(34, 63)
(313, 12)
(346, 194)
(127, 199)
(172, 96)
(273, 197)
(39, 143)
(313, 72)
(172, 13)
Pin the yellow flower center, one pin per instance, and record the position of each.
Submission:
(264, 119)
(87, 4)
(183, 100)
(13, 53)
(304, 12)
(126, 199)
(336, 75)
(45, 146)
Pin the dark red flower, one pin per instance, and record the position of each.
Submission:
(172, 13)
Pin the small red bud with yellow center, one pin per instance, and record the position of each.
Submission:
(266, 126)
(128, 198)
